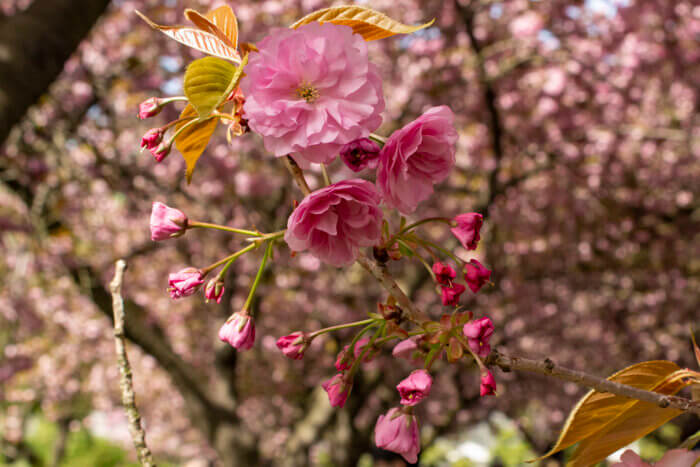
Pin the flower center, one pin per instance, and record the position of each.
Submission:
(307, 92)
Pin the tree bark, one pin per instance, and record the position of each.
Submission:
(34, 45)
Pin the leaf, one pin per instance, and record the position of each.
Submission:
(695, 347)
(197, 39)
(208, 82)
(638, 420)
(370, 24)
(596, 409)
(220, 22)
(193, 139)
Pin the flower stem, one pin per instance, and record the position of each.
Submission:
(258, 276)
(326, 178)
(207, 225)
(439, 248)
(230, 258)
(378, 139)
(341, 326)
(420, 258)
(414, 225)
(367, 348)
(185, 126)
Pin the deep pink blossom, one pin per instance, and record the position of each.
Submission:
(166, 222)
(444, 274)
(310, 90)
(415, 388)
(161, 151)
(333, 222)
(184, 282)
(476, 275)
(672, 458)
(360, 154)
(415, 158)
(338, 389)
(478, 334)
(152, 138)
(398, 432)
(293, 345)
(238, 331)
(149, 108)
(214, 290)
(488, 384)
(450, 295)
(467, 229)
(344, 361)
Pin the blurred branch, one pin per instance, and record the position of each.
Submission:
(126, 382)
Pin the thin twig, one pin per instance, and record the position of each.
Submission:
(125, 382)
(549, 368)
(297, 173)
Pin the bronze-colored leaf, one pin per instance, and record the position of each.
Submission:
(193, 139)
(370, 24)
(220, 22)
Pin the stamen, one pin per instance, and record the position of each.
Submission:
(307, 92)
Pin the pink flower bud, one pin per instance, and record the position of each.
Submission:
(488, 384)
(476, 275)
(238, 331)
(293, 345)
(185, 282)
(398, 432)
(162, 150)
(415, 388)
(166, 222)
(214, 290)
(152, 138)
(360, 154)
(467, 229)
(408, 350)
(338, 389)
(450, 295)
(344, 361)
(444, 274)
(478, 334)
(149, 108)
(672, 458)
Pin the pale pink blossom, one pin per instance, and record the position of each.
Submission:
(311, 90)
(478, 334)
(526, 25)
(338, 389)
(415, 387)
(416, 157)
(466, 229)
(398, 432)
(166, 222)
(184, 282)
(238, 331)
(335, 221)
(476, 275)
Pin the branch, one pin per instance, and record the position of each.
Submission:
(549, 368)
(125, 382)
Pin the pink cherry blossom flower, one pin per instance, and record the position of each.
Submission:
(488, 384)
(526, 25)
(467, 229)
(238, 331)
(450, 295)
(185, 282)
(344, 361)
(166, 222)
(360, 154)
(149, 108)
(152, 138)
(335, 221)
(408, 350)
(214, 290)
(398, 432)
(672, 458)
(415, 158)
(415, 388)
(293, 345)
(338, 389)
(478, 334)
(476, 275)
(444, 274)
(310, 90)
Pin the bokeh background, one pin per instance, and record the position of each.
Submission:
(579, 142)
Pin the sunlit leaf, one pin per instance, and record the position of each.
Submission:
(370, 24)
(636, 421)
(193, 139)
(595, 410)
(208, 82)
(220, 22)
(197, 39)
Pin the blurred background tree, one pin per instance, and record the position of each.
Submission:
(579, 141)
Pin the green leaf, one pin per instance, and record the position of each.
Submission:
(405, 251)
(208, 82)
